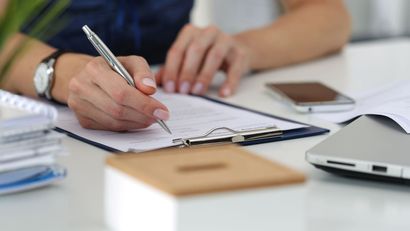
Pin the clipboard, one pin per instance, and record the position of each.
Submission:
(230, 136)
(251, 139)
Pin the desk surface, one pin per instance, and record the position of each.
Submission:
(331, 202)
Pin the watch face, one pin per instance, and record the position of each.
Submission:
(41, 78)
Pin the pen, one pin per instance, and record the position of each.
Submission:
(103, 50)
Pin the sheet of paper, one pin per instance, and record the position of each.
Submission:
(190, 116)
(392, 101)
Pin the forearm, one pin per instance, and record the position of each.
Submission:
(20, 76)
(308, 30)
(3, 5)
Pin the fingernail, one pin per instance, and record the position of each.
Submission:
(184, 87)
(149, 82)
(226, 92)
(197, 88)
(161, 114)
(170, 86)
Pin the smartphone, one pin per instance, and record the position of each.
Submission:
(311, 97)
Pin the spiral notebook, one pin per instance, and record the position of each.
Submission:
(28, 144)
(21, 116)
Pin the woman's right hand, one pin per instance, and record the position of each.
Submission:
(101, 99)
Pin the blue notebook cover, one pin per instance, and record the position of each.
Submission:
(287, 135)
(30, 178)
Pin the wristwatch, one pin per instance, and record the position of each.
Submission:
(44, 76)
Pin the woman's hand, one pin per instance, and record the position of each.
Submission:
(101, 99)
(197, 55)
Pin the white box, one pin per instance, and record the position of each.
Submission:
(134, 204)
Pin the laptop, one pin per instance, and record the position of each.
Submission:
(371, 147)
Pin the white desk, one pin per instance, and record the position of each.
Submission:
(331, 202)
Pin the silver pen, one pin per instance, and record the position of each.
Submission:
(114, 63)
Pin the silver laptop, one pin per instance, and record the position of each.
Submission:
(372, 147)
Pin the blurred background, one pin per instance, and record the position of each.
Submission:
(371, 19)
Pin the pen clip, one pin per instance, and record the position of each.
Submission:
(233, 136)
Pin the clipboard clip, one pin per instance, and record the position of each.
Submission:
(231, 136)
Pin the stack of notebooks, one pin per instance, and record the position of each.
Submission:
(28, 144)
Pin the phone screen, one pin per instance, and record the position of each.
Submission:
(310, 92)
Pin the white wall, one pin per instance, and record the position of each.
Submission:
(233, 16)
(379, 18)
(370, 18)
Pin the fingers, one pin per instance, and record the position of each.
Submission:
(194, 56)
(91, 117)
(237, 67)
(101, 99)
(176, 55)
(141, 72)
(212, 64)
(158, 75)
(126, 95)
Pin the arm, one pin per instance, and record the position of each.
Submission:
(309, 29)
(3, 5)
(98, 96)
(20, 80)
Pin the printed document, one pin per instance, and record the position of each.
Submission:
(392, 101)
(191, 116)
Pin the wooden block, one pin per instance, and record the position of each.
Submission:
(201, 170)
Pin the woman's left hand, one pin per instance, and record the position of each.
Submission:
(197, 55)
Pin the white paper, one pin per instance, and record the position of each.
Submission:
(190, 116)
(44, 160)
(392, 101)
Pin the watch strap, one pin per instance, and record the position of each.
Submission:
(51, 61)
(53, 55)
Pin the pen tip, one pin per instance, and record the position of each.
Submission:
(164, 126)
